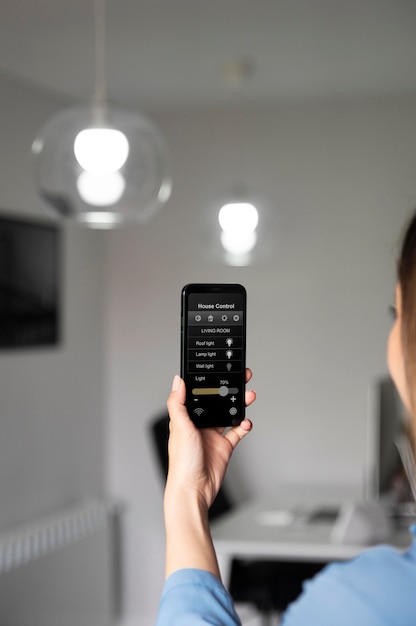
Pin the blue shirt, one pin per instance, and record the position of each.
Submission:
(377, 588)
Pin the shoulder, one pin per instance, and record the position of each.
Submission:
(376, 589)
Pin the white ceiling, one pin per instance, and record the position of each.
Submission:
(170, 53)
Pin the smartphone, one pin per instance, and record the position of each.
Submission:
(213, 353)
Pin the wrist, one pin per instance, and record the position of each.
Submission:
(182, 503)
(188, 538)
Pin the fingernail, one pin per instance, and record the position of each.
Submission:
(176, 382)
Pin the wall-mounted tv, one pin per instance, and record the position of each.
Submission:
(29, 283)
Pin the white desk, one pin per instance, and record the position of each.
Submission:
(265, 530)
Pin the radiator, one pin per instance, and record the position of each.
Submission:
(62, 570)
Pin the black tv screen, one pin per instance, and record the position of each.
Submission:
(29, 283)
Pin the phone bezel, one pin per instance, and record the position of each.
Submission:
(213, 288)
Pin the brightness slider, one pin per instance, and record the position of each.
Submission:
(214, 391)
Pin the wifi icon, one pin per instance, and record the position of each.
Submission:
(198, 411)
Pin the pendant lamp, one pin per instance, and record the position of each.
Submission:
(99, 164)
(238, 219)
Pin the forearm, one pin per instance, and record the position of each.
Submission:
(198, 460)
(188, 537)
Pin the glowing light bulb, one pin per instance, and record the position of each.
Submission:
(101, 150)
(238, 243)
(101, 189)
(241, 217)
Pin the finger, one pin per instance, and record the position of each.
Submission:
(176, 401)
(250, 396)
(236, 434)
(178, 385)
(249, 374)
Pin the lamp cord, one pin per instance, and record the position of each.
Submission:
(100, 93)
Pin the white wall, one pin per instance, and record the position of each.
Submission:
(334, 184)
(51, 399)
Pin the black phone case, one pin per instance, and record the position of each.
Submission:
(213, 352)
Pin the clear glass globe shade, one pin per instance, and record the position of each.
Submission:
(101, 189)
(238, 217)
(146, 170)
(101, 150)
(101, 219)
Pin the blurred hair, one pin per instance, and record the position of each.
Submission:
(407, 280)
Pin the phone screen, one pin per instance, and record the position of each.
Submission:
(213, 353)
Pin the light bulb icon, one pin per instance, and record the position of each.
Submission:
(229, 341)
(229, 366)
(229, 354)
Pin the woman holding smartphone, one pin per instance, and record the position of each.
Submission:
(378, 588)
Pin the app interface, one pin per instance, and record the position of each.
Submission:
(215, 366)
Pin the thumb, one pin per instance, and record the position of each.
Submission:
(236, 434)
(176, 400)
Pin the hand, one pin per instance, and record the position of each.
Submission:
(198, 458)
